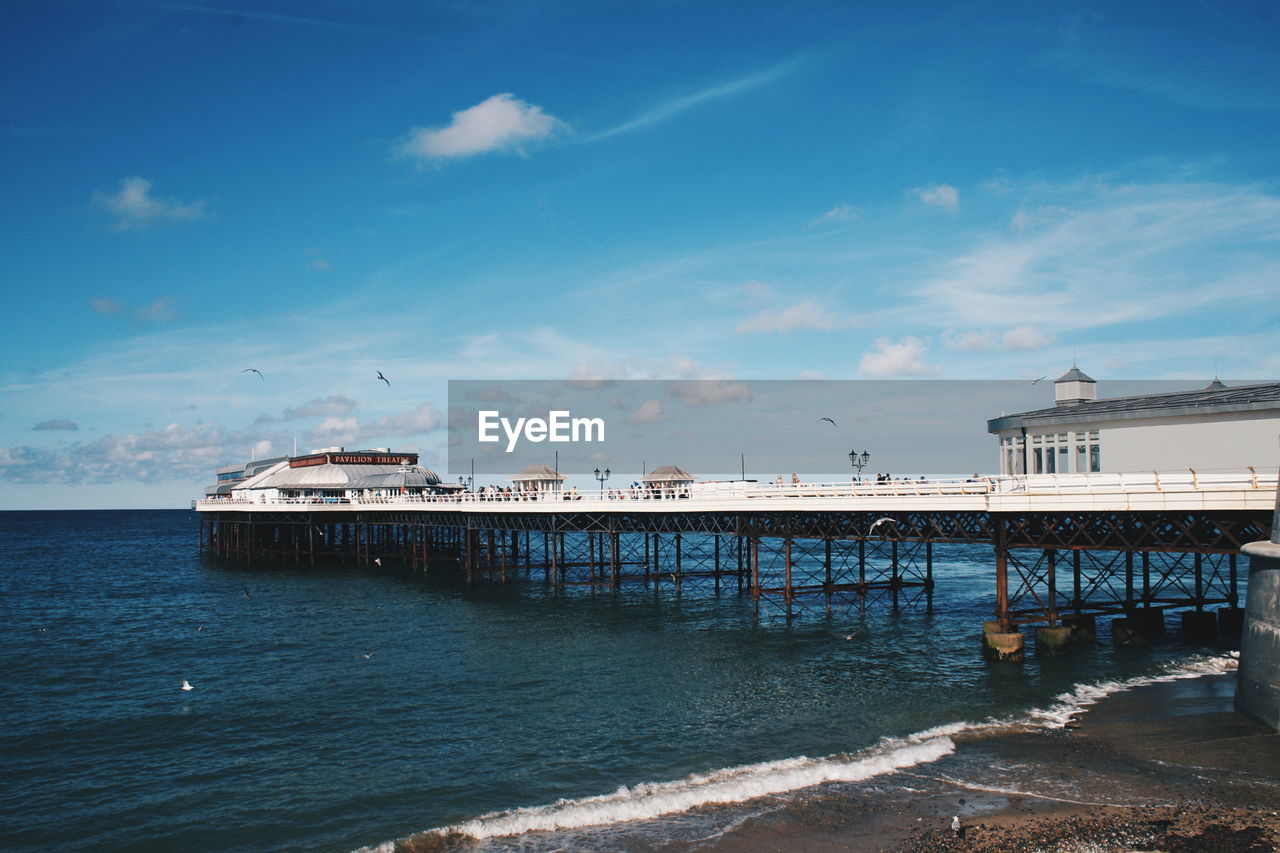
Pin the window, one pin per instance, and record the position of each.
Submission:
(1081, 463)
(1039, 462)
(1095, 458)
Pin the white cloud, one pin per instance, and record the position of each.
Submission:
(839, 213)
(648, 412)
(135, 209)
(804, 315)
(499, 123)
(896, 358)
(423, 418)
(708, 392)
(1026, 337)
(976, 340)
(335, 430)
(939, 195)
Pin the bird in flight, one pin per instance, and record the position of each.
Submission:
(828, 420)
(252, 370)
(186, 685)
(1034, 381)
(371, 654)
(880, 521)
(377, 561)
(246, 591)
(384, 379)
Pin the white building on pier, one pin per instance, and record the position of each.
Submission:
(1211, 428)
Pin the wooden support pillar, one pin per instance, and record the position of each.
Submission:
(1076, 593)
(826, 566)
(1129, 600)
(1199, 565)
(1146, 578)
(928, 575)
(1051, 558)
(614, 547)
(755, 567)
(1002, 574)
(716, 539)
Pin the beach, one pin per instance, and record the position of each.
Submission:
(1166, 766)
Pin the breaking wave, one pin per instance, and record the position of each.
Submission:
(738, 784)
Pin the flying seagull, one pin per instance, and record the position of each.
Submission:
(384, 379)
(252, 370)
(1034, 381)
(377, 561)
(186, 685)
(828, 420)
(880, 521)
(371, 654)
(246, 591)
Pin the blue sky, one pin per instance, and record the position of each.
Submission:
(457, 190)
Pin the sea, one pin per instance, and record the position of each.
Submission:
(339, 707)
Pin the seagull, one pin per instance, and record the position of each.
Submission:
(880, 521)
(186, 685)
(384, 379)
(377, 561)
(371, 654)
(252, 370)
(1034, 381)
(246, 591)
(828, 420)
(955, 826)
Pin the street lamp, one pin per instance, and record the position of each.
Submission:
(859, 460)
(600, 478)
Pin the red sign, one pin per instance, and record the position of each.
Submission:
(354, 459)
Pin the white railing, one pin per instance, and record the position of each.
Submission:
(1129, 483)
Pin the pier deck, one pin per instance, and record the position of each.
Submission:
(1066, 548)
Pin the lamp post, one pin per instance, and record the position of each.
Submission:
(600, 478)
(859, 460)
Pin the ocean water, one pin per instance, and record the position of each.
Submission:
(335, 708)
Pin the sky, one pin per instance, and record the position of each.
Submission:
(324, 190)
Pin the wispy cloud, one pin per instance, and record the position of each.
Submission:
(675, 106)
(161, 310)
(804, 315)
(939, 195)
(56, 425)
(839, 213)
(134, 208)
(1116, 254)
(499, 123)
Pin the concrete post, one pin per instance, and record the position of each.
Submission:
(1258, 679)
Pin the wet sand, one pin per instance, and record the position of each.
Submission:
(1165, 767)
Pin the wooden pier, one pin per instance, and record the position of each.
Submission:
(1065, 549)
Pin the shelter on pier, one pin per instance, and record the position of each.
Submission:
(669, 479)
(538, 478)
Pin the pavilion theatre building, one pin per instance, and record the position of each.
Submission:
(1214, 427)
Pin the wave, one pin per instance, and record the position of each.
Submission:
(720, 787)
(739, 784)
(1068, 705)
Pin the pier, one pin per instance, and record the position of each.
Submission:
(1066, 549)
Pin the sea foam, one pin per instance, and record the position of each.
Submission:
(738, 784)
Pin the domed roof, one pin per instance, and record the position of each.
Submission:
(409, 477)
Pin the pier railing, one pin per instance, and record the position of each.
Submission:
(1133, 489)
